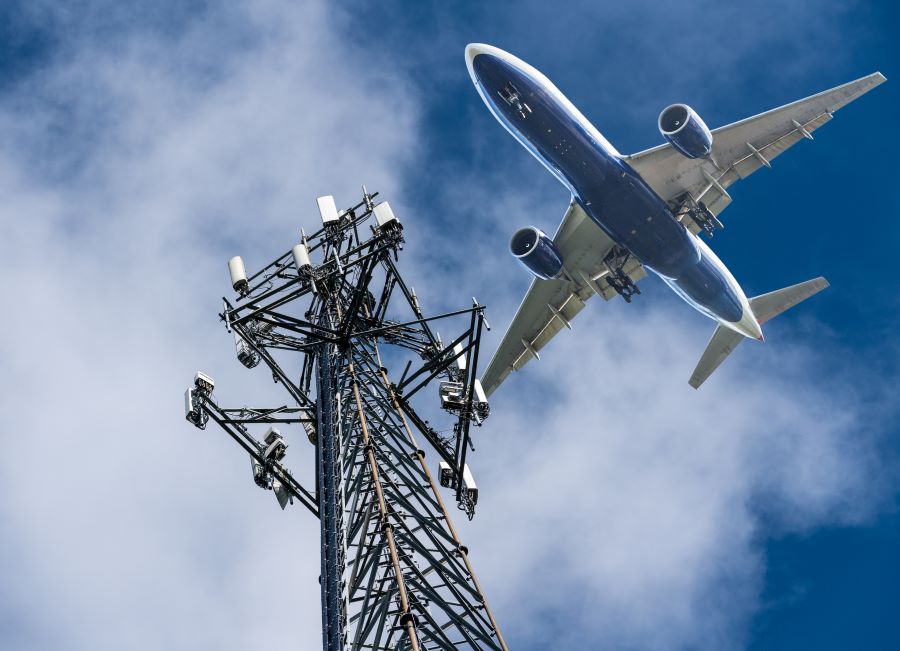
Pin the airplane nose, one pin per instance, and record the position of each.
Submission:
(473, 50)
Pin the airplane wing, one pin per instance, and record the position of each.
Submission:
(551, 305)
(741, 148)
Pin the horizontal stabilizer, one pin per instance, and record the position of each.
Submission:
(724, 340)
(767, 306)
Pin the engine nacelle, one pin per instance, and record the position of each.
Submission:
(683, 128)
(537, 253)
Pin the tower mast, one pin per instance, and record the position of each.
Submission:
(394, 573)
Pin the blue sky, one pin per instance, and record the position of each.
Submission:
(143, 146)
(833, 588)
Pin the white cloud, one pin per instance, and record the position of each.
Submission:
(630, 506)
(135, 167)
(133, 170)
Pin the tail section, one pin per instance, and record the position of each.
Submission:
(765, 308)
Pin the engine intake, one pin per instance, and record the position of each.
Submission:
(537, 253)
(683, 128)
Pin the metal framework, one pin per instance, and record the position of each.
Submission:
(394, 574)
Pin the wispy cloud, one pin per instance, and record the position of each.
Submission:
(132, 169)
(619, 505)
(151, 147)
(632, 505)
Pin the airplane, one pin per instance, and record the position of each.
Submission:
(646, 211)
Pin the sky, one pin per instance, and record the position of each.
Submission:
(142, 145)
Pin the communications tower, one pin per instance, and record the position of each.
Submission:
(326, 318)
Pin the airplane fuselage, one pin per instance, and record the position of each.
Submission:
(611, 193)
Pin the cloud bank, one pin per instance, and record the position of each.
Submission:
(132, 168)
(633, 508)
(621, 508)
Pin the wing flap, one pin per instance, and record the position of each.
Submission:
(559, 317)
(747, 161)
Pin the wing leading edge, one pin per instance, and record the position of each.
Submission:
(551, 305)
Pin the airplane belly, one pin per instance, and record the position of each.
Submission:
(647, 230)
(635, 217)
(610, 192)
(708, 291)
(615, 197)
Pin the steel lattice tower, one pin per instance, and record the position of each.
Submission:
(394, 574)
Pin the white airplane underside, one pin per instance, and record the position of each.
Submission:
(630, 214)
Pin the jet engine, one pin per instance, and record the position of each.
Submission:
(683, 128)
(537, 253)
